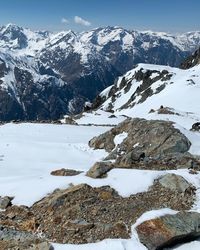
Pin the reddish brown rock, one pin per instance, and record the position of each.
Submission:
(169, 230)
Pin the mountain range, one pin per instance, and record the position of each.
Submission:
(44, 75)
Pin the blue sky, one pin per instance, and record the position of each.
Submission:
(78, 15)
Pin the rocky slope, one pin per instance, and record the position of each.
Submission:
(149, 91)
(85, 63)
(191, 61)
(31, 91)
(89, 209)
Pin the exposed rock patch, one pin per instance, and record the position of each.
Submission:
(166, 111)
(65, 172)
(192, 60)
(82, 214)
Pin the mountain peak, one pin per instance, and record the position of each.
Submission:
(11, 27)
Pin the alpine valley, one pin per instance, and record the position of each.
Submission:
(45, 75)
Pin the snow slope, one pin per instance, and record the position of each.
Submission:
(177, 89)
(29, 152)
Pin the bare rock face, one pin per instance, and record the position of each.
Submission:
(99, 169)
(192, 60)
(65, 172)
(169, 230)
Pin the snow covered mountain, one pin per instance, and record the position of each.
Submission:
(30, 91)
(150, 91)
(73, 68)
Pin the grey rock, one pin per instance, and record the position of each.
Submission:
(147, 139)
(5, 202)
(169, 230)
(12, 239)
(69, 120)
(104, 141)
(175, 183)
(99, 169)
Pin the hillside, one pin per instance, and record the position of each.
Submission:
(149, 91)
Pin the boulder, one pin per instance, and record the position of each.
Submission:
(153, 137)
(5, 202)
(69, 120)
(196, 126)
(169, 230)
(175, 183)
(99, 169)
(166, 111)
(65, 172)
(104, 141)
(147, 141)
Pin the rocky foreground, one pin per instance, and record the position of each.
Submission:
(85, 214)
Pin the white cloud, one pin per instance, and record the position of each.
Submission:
(64, 20)
(81, 21)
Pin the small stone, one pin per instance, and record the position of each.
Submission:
(193, 171)
(152, 111)
(65, 172)
(196, 126)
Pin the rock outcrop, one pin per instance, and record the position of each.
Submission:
(150, 144)
(192, 60)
